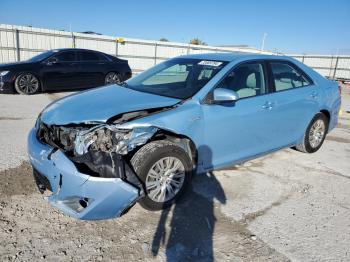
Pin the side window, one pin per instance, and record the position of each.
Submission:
(246, 80)
(89, 56)
(67, 56)
(173, 74)
(102, 58)
(286, 77)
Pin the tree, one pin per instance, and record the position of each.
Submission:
(197, 41)
(164, 39)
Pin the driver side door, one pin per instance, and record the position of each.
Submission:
(243, 129)
(61, 71)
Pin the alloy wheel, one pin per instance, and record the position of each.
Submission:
(316, 133)
(28, 84)
(165, 179)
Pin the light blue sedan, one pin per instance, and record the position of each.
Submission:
(102, 150)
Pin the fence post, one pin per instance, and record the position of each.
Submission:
(73, 40)
(18, 51)
(303, 58)
(116, 48)
(155, 53)
(188, 49)
(335, 67)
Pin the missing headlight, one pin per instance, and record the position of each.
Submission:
(107, 138)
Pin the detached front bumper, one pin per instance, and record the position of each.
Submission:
(76, 194)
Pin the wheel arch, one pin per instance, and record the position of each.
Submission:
(183, 141)
(112, 71)
(327, 114)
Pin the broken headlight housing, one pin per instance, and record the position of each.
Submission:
(111, 139)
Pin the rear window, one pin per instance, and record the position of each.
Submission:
(91, 56)
(287, 77)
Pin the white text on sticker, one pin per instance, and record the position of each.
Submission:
(209, 63)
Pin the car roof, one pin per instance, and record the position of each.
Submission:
(73, 49)
(229, 57)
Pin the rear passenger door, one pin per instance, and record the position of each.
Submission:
(92, 68)
(294, 102)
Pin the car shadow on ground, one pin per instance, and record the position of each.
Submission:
(186, 230)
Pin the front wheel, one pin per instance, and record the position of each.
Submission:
(314, 134)
(165, 169)
(27, 84)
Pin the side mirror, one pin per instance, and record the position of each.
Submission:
(224, 95)
(51, 61)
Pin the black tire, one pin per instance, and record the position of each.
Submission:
(112, 78)
(147, 156)
(306, 146)
(27, 84)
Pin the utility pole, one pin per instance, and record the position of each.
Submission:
(263, 41)
(72, 35)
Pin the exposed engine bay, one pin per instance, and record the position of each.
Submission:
(100, 150)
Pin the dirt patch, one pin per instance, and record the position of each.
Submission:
(192, 230)
(17, 181)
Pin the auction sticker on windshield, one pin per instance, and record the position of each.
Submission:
(210, 63)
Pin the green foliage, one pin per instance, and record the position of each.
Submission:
(197, 41)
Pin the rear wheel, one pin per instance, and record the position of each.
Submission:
(112, 78)
(314, 134)
(27, 84)
(165, 169)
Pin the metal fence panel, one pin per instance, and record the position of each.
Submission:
(20, 43)
(337, 67)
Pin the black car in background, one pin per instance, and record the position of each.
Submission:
(63, 69)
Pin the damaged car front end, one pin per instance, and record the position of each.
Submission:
(79, 149)
(85, 168)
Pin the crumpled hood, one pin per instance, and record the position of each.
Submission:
(100, 104)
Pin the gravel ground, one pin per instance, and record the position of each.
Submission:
(285, 206)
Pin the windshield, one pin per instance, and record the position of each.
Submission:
(41, 56)
(179, 78)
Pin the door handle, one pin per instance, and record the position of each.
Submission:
(268, 105)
